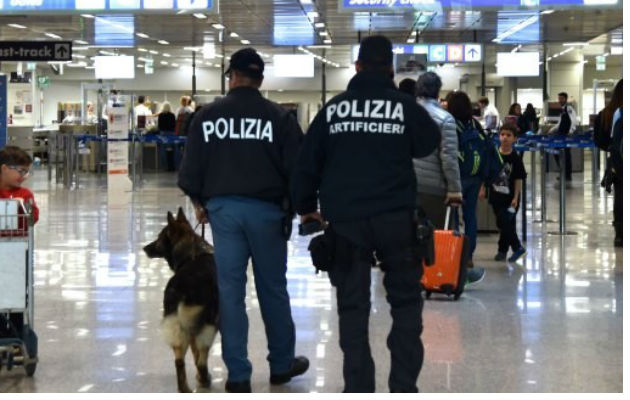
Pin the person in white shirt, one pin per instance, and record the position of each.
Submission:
(565, 126)
(490, 114)
(142, 110)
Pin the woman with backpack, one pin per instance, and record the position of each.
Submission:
(607, 134)
(474, 151)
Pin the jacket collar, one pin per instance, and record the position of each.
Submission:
(428, 100)
(243, 90)
(371, 80)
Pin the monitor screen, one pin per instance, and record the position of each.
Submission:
(114, 67)
(518, 64)
(294, 65)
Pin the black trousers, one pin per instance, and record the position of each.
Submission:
(506, 222)
(568, 163)
(618, 207)
(393, 237)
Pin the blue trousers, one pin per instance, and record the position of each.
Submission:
(242, 228)
(470, 194)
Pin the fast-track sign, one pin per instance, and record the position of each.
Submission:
(35, 51)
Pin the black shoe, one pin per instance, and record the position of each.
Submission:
(299, 366)
(238, 387)
(500, 256)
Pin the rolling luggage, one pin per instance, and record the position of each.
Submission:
(448, 274)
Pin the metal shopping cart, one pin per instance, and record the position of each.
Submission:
(18, 341)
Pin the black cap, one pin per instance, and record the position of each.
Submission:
(248, 62)
(376, 50)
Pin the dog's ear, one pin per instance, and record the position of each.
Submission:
(181, 217)
(170, 218)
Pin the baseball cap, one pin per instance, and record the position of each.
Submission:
(247, 61)
(376, 50)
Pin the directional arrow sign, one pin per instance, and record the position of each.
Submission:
(35, 51)
(472, 52)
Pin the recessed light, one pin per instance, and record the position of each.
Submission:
(142, 35)
(245, 41)
(217, 65)
(200, 15)
(80, 42)
(18, 26)
(320, 25)
(166, 55)
(142, 50)
(78, 55)
(327, 41)
(163, 42)
(163, 63)
(52, 35)
(323, 33)
(411, 40)
(233, 34)
(218, 26)
(175, 64)
(153, 52)
(90, 16)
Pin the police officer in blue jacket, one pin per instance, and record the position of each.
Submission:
(239, 156)
(357, 161)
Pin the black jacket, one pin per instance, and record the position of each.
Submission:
(166, 122)
(357, 155)
(242, 144)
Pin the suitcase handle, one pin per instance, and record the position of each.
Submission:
(448, 218)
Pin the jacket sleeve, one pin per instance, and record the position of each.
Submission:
(425, 134)
(291, 146)
(448, 155)
(192, 172)
(307, 173)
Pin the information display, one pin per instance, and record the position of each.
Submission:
(21, 6)
(436, 53)
(398, 5)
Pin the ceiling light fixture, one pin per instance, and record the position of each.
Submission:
(142, 35)
(52, 35)
(320, 25)
(163, 42)
(218, 26)
(18, 26)
(245, 41)
(80, 42)
(142, 50)
(175, 64)
(233, 34)
(166, 55)
(153, 52)
(200, 16)
(90, 16)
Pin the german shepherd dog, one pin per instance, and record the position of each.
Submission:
(191, 298)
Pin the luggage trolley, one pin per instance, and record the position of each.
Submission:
(18, 341)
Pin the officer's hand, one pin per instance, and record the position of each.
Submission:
(309, 217)
(202, 216)
(453, 198)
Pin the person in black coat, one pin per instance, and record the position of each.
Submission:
(166, 119)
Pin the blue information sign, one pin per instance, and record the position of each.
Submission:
(10, 6)
(397, 5)
(3, 110)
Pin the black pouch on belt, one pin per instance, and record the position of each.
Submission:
(322, 248)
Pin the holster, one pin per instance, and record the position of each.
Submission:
(425, 242)
(322, 248)
(287, 220)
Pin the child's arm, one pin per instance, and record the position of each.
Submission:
(518, 184)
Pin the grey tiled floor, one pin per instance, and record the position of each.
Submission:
(550, 323)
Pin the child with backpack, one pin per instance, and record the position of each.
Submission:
(505, 192)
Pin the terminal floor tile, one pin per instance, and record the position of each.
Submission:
(551, 322)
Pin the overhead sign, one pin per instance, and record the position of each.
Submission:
(472, 53)
(35, 51)
(600, 63)
(437, 5)
(7, 6)
(438, 53)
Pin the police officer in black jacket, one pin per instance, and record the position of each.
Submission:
(357, 160)
(239, 156)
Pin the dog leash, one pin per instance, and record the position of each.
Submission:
(203, 229)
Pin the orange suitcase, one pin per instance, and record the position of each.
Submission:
(448, 274)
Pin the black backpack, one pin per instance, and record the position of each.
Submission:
(601, 138)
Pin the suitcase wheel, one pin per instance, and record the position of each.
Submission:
(457, 295)
(427, 294)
